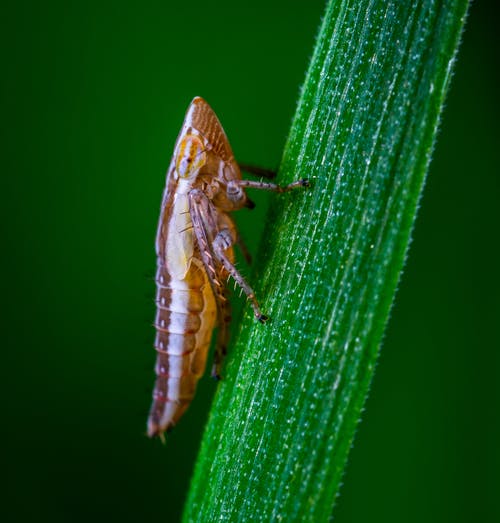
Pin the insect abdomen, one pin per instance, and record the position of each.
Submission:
(185, 319)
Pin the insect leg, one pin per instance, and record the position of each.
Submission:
(249, 184)
(204, 226)
(224, 240)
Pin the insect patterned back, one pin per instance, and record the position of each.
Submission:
(202, 117)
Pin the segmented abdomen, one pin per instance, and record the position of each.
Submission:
(185, 319)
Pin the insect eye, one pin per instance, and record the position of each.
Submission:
(191, 156)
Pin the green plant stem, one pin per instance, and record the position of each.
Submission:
(284, 418)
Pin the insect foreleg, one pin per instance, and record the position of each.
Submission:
(223, 241)
(234, 185)
(204, 226)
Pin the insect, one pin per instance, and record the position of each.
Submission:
(194, 247)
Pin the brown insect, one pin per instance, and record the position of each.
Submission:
(194, 247)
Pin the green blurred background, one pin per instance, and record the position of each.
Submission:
(93, 96)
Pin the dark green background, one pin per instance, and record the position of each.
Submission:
(92, 100)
